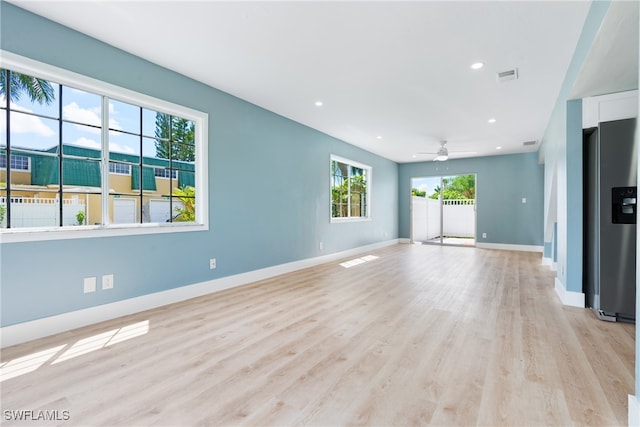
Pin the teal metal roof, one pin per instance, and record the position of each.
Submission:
(86, 172)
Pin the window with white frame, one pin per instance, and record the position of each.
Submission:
(87, 144)
(18, 163)
(166, 173)
(119, 168)
(350, 189)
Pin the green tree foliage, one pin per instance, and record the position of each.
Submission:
(418, 193)
(175, 138)
(38, 90)
(456, 188)
(347, 186)
(187, 195)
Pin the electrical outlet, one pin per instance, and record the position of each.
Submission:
(212, 263)
(484, 235)
(524, 200)
(89, 284)
(107, 281)
(321, 246)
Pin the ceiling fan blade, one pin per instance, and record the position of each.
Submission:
(462, 152)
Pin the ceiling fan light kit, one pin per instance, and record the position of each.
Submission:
(443, 154)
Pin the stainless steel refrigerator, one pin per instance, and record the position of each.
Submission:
(610, 201)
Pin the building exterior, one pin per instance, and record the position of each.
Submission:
(35, 190)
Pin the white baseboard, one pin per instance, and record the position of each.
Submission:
(573, 299)
(34, 329)
(548, 262)
(634, 411)
(501, 246)
(508, 247)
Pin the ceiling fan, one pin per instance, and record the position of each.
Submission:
(443, 152)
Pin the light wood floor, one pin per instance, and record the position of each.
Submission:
(421, 335)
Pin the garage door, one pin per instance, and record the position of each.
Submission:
(124, 211)
(159, 210)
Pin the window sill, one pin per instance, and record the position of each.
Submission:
(359, 219)
(88, 232)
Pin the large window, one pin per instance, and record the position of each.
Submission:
(85, 153)
(350, 189)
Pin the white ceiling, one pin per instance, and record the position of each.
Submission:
(398, 70)
(612, 64)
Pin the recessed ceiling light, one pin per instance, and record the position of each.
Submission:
(477, 65)
(414, 156)
(491, 120)
(498, 148)
(378, 137)
(318, 103)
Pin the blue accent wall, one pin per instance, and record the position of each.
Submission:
(562, 153)
(547, 250)
(574, 195)
(502, 183)
(268, 182)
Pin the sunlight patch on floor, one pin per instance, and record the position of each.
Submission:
(29, 363)
(358, 261)
(104, 339)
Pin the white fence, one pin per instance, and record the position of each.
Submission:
(36, 212)
(459, 218)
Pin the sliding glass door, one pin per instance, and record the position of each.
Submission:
(443, 210)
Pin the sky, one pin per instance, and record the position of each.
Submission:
(426, 184)
(28, 131)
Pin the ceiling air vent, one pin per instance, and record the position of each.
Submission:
(505, 76)
(529, 143)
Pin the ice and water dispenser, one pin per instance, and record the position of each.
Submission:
(623, 204)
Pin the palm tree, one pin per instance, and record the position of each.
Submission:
(38, 90)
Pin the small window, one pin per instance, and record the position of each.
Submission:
(119, 168)
(18, 162)
(350, 189)
(166, 173)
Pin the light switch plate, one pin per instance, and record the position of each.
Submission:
(89, 284)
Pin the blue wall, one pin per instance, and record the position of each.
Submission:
(574, 196)
(502, 182)
(268, 183)
(561, 149)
